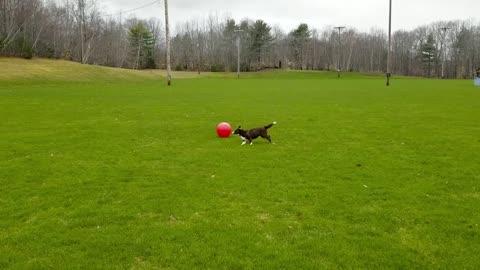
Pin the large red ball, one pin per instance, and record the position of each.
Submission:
(224, 130)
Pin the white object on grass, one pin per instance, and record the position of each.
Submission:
(476, 81)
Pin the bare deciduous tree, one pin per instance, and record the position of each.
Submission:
(76, 30)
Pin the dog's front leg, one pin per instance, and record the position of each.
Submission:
(244, 140)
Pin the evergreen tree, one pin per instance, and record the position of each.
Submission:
(261, 40)
(428, 54)
(299, 40)
(230, 37)
(141, 43)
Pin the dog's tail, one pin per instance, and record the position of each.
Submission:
(271, 125)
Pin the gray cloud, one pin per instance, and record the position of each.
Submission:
(363, 15)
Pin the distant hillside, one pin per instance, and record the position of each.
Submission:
(45, 69)
(55, 70)
(38, 69)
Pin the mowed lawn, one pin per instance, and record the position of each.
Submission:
(124, 173)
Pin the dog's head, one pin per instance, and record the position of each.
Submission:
(238, 130)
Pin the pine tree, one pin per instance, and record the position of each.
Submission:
(299, 39)
(428, 55)
(261, 40)
(141, 43)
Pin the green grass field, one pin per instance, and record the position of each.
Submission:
(110, 169)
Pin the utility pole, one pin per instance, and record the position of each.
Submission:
(444, 52)
(339, 28)
(81, 7)
(167, 32)
(389, 55)
(314, 64)
(238, 51)
(198, 58)
(199, 51)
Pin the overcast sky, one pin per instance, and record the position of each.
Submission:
(361, 14)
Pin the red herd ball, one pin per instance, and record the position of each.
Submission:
(224, 130)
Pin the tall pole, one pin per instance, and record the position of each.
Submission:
(199, 51)
(167, 32)
(389, 55)
(314, 50)
(81, 6)
(198, 58)
(444, 54)
(339, 28)
(238, 52)
(238, 56)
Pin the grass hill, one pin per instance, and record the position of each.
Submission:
(61, 70)
(37, 69)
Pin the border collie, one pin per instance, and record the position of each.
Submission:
(250, 134)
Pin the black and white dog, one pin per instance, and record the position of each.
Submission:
(251, 134)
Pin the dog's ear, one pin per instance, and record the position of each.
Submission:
(239, 126)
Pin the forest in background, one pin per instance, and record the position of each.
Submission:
(78, 30)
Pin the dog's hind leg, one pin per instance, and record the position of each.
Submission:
(266, 136)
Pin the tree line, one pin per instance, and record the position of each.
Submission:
(77, 30)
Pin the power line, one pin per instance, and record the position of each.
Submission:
(135, 9)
